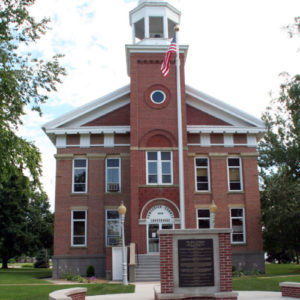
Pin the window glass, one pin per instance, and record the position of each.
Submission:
(203, 218)
(79, 175)
(113, 176)
(233, 162)
(152, 155)
(166, 167)
(159, 167)
(237, 225)
(202, 174)
(113, 162)
(158, 97)
(78, 228)
(113, 173)
(113, 228)
(165, 155)
(79, 215)
(234, 174)
(201, 162)
(152, 168)
(79, 163)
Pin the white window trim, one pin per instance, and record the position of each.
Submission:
(107, 227)
(244, 225)
(85, 228)
(240, 172)
(86, 175)
(208, 174)
(197, 218)
(159, 169)
(106, 183)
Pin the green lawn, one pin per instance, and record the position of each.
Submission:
(275, 273)
(40, 289)
(24, 276)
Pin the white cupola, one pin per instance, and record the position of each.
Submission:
(153, 22)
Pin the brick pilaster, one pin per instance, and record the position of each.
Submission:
(225, 262)
(166, 264)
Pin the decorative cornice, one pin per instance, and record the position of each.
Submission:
(224, 129)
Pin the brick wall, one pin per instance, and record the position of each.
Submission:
(289, 290)
(166, 264)
(225, 262)
(78, 296)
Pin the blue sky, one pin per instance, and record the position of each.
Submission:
(236, 51)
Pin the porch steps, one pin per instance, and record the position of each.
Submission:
(148, 267)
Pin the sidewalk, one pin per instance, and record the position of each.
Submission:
(144, 291)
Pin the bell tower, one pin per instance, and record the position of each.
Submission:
(153, 112)
(153, 22)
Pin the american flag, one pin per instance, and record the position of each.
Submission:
(166, 63)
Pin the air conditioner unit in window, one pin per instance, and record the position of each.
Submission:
(113, 187)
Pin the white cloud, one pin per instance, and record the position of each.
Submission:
(237, 49)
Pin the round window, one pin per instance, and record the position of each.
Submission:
(158, 97)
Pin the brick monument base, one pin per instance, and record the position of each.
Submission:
(195, 264)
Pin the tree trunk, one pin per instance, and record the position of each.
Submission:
(4, 263)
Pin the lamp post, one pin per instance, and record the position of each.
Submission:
(213, 210)
(122, 212)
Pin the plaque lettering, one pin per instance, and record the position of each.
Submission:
(196, 263)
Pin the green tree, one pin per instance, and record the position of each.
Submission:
(25, 219)
(25, 81)
(280, 169)
(14, 196)
(281, 216)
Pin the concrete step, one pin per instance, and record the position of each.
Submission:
(148, 268)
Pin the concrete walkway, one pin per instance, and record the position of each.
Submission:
(144, 291)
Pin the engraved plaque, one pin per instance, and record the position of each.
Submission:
(196, 263)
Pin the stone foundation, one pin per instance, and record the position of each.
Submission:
(249, 261)
(77, 265)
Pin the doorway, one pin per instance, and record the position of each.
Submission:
(153, 238)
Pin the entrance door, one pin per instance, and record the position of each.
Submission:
(153, 238)
(158, 217)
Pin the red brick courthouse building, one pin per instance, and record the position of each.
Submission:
(124, 147)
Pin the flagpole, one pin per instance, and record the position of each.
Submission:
(180, 143)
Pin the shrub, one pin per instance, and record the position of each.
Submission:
(90, 271)
(71, 277)
(42, 259)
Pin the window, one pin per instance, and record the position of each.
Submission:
(202, 174)
(80, 176)
(158, 97)
(159, 167)
(237, 222)
(113, 183)
(234, 174)
(113, 228)
(79, 220)
(203, 218)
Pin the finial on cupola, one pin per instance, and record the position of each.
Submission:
(153, 22)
